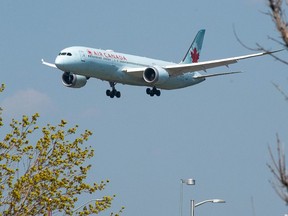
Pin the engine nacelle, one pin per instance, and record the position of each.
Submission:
(73, 80)
(155, 75)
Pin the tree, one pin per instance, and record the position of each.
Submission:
(278, 17)
(278, 168)
(278, 165)
(48, 174)
(276, 12)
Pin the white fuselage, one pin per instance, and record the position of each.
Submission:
(110, 66)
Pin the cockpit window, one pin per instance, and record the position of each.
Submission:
(64, 53)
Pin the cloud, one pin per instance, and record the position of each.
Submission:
(26, 102)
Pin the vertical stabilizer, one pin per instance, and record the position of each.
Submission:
(193, 53)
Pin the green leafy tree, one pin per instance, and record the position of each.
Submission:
(46, 175)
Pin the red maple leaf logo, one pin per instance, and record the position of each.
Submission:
(194, 55)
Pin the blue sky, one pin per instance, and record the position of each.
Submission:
(216, 132)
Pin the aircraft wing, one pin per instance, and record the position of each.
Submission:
(175, 70)
(48, 64)
(178, 69)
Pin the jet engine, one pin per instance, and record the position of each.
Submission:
(73, 80)
(155, 75)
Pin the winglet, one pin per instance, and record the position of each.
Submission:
(48, 64)
(275, 51)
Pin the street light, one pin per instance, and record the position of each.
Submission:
(187, 182)
(193, 205)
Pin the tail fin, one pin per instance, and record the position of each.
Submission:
(193, 53)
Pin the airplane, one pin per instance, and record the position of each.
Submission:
(81, 63)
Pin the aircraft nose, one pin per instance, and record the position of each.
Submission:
(60, 63)
(65, 61)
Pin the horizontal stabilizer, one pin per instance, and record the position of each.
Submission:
(212, 75)
(48, 64)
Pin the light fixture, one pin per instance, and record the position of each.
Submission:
(189, 181)
(193, 205)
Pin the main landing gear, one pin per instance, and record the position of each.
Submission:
(112, 93)
(153, 91)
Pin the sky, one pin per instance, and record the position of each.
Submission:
(217, 132)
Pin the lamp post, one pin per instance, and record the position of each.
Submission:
(187, 182)
(193, 205)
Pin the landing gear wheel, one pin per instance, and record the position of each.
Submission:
(112, 94)
(158, 92)
(118, 94)
(148, 91)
